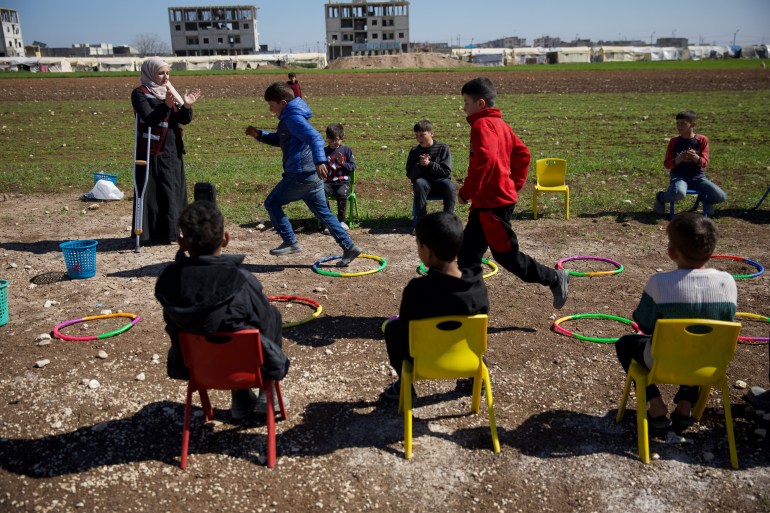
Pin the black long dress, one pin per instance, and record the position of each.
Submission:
(166, 193)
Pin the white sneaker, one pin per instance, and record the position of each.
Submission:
(344, 226)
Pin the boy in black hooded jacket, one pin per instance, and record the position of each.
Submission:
(207, 292)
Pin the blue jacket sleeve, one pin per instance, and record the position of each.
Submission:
(301, 128)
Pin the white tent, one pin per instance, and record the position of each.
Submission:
(700, 52)
(572, 54)
(486, 56)
(117, 64)
(531, 55)
(658, 53)
(620, 53)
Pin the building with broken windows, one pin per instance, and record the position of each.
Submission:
(13, 44)
(361, 27)
(203, 31)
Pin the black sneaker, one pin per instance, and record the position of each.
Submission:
(349, 255)
(393, 391)
(286, 249)
(661, 422)
(659, 207)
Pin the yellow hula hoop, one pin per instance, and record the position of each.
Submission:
(317, 268)
(758, 317)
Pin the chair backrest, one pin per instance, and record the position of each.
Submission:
(692, 351)
(551, 172)
(448, 347)
(223, 361)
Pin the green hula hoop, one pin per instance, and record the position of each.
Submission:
(556, 326)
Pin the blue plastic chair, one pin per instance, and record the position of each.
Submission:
(699, 199)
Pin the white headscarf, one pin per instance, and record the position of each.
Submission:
(150, 68)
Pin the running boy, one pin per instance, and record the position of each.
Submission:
(497, 169)
(304, 169)
(444, 290)
(207, 292)
(429, 167)
(340, 165)
(687, 156)
(690, 292)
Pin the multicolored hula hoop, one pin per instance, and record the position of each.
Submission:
(317, 269)
(759, 267)
(422, 270)
(301, 300)
(618, 265)
(386, 321)
(753, 316)
(556, 326)
(58, 334)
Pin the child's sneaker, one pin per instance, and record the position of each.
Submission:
(393, 391)
(349, 255)
(242, 403)
(559, 289)
(261, 406)
(286, 249)
(659, 207)
(344, 226)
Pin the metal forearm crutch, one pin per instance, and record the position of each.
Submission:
(139, 196)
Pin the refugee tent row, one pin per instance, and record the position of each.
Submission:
(214, 62)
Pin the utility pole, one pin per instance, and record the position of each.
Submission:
(735, 34)
(652, 36)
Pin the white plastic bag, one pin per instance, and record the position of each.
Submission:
(106, 190)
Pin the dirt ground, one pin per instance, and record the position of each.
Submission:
(65, 446)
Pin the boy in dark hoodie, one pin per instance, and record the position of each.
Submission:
(444, 290)
(207, 292)
(304, 172)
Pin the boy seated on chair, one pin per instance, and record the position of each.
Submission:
(692, 291)
(341, 164)
(687, 156)
(429, 167)
(444, 290)
(208, 292)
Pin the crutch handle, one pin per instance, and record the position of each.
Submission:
(140, 162)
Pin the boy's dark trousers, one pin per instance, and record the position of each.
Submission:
(491, 228)
(396, 344)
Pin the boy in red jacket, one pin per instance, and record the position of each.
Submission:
(497, 170)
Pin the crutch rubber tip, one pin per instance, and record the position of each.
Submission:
(140, 162)
(137, 232)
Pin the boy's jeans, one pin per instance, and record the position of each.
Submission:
(308, 188)
(678, 185)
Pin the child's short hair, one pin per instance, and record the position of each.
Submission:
(202, 226)
(278, 92)
(424, 125)
(481, 89)
(442, 232)
(334, 131)
(693, 235)
(688, 115)
(292, 75)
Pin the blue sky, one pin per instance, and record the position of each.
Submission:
(299, 25)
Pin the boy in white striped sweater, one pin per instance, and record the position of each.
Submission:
(690, 291)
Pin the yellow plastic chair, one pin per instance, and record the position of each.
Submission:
(449, 347)
(685, 352)
(551, 174)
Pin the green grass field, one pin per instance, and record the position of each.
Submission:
(614, 145)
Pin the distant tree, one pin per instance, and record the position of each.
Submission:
(151, 44)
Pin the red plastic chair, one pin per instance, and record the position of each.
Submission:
(227, 361)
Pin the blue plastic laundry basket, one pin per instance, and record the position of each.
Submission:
(105, 176)
(3, 302)
(80, 257)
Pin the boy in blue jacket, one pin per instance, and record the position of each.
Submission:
(304, 171)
